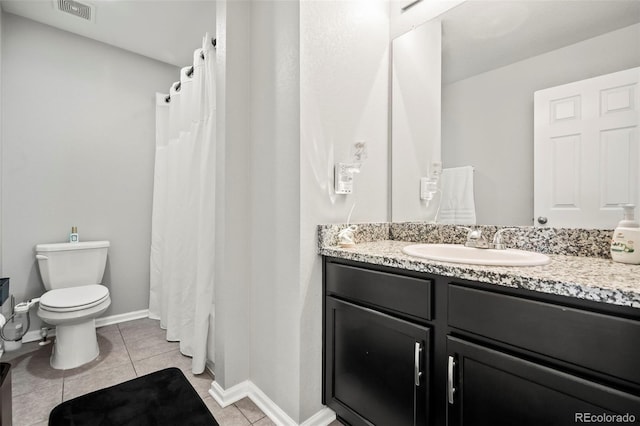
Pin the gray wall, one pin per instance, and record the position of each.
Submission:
(78, 135)
(487, 120)
(232, 273)
(275, 196)
(290, 105)
(344, 81)
(415, 119)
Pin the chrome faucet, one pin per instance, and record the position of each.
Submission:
(497, 238)
(475, 239)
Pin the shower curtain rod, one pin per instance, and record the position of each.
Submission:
(167, 99)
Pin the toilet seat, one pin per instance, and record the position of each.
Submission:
(74, 298)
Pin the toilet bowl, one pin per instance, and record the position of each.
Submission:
(73, 311)
(71, 272)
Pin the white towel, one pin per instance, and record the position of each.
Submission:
(457, 205)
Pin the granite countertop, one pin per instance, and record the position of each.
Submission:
(591, 278)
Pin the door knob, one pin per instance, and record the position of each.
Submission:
(542, 220)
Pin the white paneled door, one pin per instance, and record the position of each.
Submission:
(586, 151)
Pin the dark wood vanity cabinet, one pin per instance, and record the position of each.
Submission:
(531, 362)
(377, 366)
(405, 348)
(493, 388)
(376, 355)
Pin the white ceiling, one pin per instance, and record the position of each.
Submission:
(478, 36)
(166, 30)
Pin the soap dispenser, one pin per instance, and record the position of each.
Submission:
(625, 244)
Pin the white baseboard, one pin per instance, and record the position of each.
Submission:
(248, 389)
(34, 335)
(116, 319)
(323, 417)
(227, 397)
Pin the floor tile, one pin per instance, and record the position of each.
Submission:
(133, 338)
(27, 349)
(249, 410)
(37, 387)
(31, 373)
(139, 328)
(201, 382)
(265, 421)
(113, 353)
(108, 329)
(149, 345)
(146, 339)
(159, 362)
(77, 386)
(228, 416)
(35, 406)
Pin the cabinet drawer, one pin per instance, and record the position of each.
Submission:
(399, 293)
(596, 341)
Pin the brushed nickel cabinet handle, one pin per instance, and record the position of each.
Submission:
(416, 357)
(451, 390)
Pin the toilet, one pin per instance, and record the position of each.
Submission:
(71, 274)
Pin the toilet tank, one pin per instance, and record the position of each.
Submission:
(72, 264)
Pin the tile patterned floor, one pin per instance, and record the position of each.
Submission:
(127, 350)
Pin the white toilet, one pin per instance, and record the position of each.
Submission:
(71, 273)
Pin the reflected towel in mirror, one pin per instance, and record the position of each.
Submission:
(457, 206)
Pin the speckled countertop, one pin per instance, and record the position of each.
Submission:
(585, 277)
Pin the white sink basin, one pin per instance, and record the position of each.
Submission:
(457, 253)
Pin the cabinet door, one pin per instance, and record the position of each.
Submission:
(375, 366)
(488, 387)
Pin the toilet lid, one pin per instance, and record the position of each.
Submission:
(74, 298)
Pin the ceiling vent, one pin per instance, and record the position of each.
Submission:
(85, 11)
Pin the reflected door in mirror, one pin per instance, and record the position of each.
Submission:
(586, 151)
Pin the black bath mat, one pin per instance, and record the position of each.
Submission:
(163, 398)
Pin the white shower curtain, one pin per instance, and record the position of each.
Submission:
(183, 217)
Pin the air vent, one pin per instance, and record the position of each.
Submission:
(81, 10)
